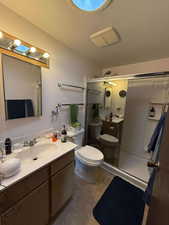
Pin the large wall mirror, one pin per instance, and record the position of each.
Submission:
(22, 88)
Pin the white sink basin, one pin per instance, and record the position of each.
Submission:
(24, 154)
(33, 158)
(44, 149)
(39, 150)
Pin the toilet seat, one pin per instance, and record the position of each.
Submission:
(109, 138)
(89, 155)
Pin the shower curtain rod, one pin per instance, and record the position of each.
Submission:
(132, 76)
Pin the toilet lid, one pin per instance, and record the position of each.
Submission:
(109, 138)
(90, 154)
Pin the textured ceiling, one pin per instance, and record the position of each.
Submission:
(142, 25)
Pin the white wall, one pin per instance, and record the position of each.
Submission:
(65, 65)
(143, 67)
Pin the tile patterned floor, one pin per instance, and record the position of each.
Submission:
(79, 209)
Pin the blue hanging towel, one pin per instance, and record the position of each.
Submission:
(154, 147)
(154, 138)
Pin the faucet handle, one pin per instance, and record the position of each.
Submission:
(32, 142)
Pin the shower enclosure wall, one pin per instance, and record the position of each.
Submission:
(122, 114)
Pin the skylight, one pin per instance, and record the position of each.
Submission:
(90, 5)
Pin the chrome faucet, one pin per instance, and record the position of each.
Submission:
(30, 143)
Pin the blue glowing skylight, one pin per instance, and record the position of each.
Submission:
(89, 5)
(22, 48)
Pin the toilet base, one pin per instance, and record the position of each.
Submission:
(88, 173)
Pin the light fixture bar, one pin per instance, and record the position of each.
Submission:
(13, 46)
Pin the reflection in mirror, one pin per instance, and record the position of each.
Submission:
(147, 100)
(22, 88)
(105, 116)
(122, 125)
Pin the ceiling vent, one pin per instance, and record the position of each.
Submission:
(105, 37)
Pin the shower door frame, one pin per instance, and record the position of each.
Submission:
(112, 169)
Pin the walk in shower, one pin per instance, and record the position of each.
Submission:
(122, 113)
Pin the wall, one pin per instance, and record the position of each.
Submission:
(143, 67)
(65, 65)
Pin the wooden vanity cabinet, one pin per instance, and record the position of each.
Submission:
(16, 192)
(37, 198)
(62, 162)
(61, 188)
(31, 210)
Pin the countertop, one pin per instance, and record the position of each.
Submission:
(28, 168)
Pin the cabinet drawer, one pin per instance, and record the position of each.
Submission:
(31, 210)
(17, 191)
(62, 162)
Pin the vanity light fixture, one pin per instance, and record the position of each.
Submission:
(32, 50)
(16, 43)
(15, 47)
(46, 55)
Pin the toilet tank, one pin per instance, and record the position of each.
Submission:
(95, 130)
(76, 136)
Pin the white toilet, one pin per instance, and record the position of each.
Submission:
(109, 145)
(88, 159)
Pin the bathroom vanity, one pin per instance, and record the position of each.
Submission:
(36, 194)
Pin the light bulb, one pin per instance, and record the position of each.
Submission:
(17, 42)
(32, 49)
(45, 55)
(1, 34)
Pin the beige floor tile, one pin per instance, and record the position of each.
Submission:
(79, 210)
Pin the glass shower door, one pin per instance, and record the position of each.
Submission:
(146, 101)
(105, 116)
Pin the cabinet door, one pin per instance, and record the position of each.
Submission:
(16, 192)
(62, 188)
(32, 210)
